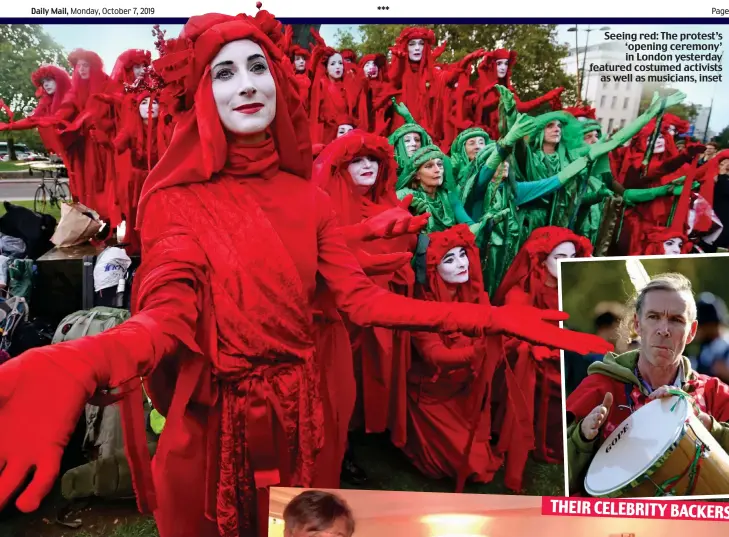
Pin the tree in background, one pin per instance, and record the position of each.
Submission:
(538, 63)
(723, 138)
(687, 111)
(302, 34)
(24, 47)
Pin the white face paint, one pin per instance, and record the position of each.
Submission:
(83, 68)
(299, 64)
(474, 146)
(672, 246)
(415, 49)
(144, 108)
(138, 70)
(344, 129)
(243, 87)
(363, 170)
(49, 85)
(672, 130)
(660, 146)
(453, 268)
(412, 143)
(335, 66)
(371, 70)
(565, 250)
(502, 67)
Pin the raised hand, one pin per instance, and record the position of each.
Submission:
(524, 126)
(590, 426)
(395, 222)
(532, 325)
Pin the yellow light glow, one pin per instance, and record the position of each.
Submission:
(455, 525)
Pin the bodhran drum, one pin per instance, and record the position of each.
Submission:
(662, 449)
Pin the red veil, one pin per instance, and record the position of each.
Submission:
(122, 72)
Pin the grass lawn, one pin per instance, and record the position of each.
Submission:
(12, 166)
(54, 211)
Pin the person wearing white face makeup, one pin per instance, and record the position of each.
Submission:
(222, 328)
(531, 280)
(453, 268)
(344, 129)
(49, 85)
(333, 94)
(673, 246)
(363, 171)
(130, 66)
(144, 110)
(413, 142)
(415, 50)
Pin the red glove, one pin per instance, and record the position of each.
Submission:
(394, 222)
(375, 265)
(40, 404)
(530, 324)
(694, 150)
(543, 353)
(4, 126)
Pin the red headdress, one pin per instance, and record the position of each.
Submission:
(298, 50)
(585, 111)
(331, 174)
(682, 126)
(440, 243)
(380, 61)
(83, 89)
(488, 77)
(199, 148)
(49, 104)
(122, 71)
(654, 238)
(528, 271)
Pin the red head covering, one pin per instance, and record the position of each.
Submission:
(199, 147)
(381, 62)
(708, 174)
(331, 174)
(654, 238)
(585, 111)
(682, 126)
(440, 243)
(408, 34)
(49, 104)
(348, 55)
(122, 71)
(83, 89)
(488, 77)
(528, 271)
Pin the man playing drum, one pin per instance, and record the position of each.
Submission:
(664, 320)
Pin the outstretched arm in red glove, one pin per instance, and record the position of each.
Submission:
(388, 224)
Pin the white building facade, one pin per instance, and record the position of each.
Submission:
(616, 103)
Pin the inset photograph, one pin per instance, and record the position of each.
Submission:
(650, 418)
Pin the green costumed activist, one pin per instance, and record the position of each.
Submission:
(464, 149)
(407, 138)
(559, 143)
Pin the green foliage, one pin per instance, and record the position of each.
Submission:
(538, 62)
(723, 138)
(23, 48)
(687, 111)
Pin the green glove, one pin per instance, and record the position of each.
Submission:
(477, 228)
(402, 110)
(633, 196)
(506, 97)
(676, 190)
(524, 126)
(572, 169)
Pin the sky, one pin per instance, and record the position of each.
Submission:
(111, 40)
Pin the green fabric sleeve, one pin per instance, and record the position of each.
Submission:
(527, 191)
(579, 456)
(720, 432)
(458, 209)
(643, 195)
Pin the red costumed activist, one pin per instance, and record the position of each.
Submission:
(234, 238)
(374, 106)
(142, 138)
(497, 68)
(358, 171)
(52, 84)
(444, 378)
(90, 157)
(532, 281)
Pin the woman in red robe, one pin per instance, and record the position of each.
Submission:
(412, 73)
(142, 138)
(358, 171)
(52, 84)
(234, 238)
(445, 367)
(497, 68)
(333, 94)
(130, 66)
(374, 105)
(532, 281)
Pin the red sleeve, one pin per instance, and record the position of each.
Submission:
(717, 399)
(431, 349)
(527, 106)
(23, 124)
(167, 316)
(367, 304)
(588, 395)
(655, 172)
